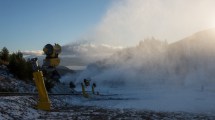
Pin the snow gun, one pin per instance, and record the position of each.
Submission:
(50, 63)
(51, 52)
(93, 88)
(86, 83)
(48, 70)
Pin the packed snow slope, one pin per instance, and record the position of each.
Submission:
(161, 76)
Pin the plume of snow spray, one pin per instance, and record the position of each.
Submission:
(127, 22)
(154, 62)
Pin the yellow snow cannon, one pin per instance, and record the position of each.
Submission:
(83, 85)
(84, 93)
(93, 88)
(52, 52)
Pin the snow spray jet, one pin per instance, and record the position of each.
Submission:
(129, 65)
(127, 22)
(155, 62)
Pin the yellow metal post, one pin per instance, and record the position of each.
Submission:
(83, 91)
(44, 102)
(93, 90)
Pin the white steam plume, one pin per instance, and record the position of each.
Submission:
(32, 52)
(189, 62)
(85, 53)
(129, 21)
(153, 65)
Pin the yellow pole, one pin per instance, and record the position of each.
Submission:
(44, 102)
(93, 89)
(83, 91)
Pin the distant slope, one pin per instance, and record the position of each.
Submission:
(194, 54)
(202, 42)
(64, 70)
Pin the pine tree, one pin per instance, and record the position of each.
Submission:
(12, 64)
(20, 67)
(4, 56)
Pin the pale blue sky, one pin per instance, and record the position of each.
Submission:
(30, 24)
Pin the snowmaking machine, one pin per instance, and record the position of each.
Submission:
(47, 76)
(51, 53)
(50, 63)
(85, 84)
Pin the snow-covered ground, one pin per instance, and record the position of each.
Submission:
(23, 108)
(10, 84)
(114, 103)
(156, 99)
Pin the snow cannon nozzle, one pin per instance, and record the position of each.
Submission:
(34, 59)
(87, 82)
(94, 84)
(34, 62)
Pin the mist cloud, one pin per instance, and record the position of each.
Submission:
(33, 52)
(189, 62)
(85, 53)
(129, 21)
(154, 65)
